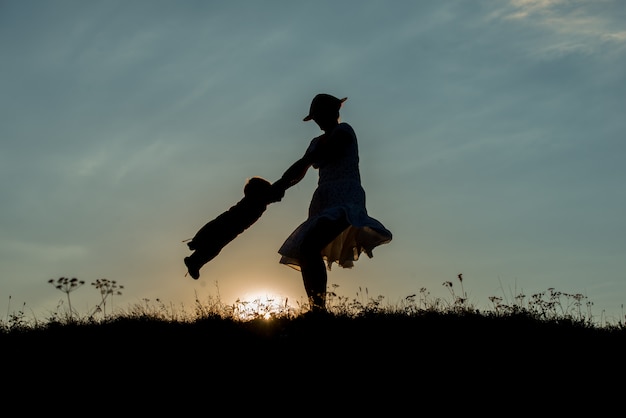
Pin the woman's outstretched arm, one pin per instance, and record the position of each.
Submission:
(291, 177)
(295, 172)
(328, 147)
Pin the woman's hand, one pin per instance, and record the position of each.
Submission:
(276, 191)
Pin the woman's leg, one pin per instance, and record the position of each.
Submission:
(312, 264)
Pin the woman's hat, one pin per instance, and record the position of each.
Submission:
(323, 102)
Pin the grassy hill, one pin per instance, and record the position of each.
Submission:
(365, 356)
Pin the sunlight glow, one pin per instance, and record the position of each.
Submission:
(263, 305)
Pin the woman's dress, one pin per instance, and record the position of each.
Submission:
(338, 194)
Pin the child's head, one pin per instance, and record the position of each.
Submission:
(256, 188)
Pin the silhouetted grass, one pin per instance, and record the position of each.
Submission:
(420, 347)
(550, 310)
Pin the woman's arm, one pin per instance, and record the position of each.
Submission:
(328, 148)
(296, 171)
(291, 177)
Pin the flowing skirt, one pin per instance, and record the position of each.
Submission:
(335, 201)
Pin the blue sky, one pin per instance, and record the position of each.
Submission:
(491, 136)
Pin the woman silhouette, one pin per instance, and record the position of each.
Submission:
(338, 228)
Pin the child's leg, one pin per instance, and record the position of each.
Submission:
(197, 259)
(193, 268)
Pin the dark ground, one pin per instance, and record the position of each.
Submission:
(391, 364)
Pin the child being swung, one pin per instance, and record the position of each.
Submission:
(216, 234)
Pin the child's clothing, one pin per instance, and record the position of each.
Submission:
(216, 234)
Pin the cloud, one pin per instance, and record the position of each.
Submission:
(49, 252)
(615, 36)
(569, 26)
(526, 8)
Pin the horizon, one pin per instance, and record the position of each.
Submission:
(490, 140)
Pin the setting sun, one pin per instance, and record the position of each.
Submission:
(260, 305)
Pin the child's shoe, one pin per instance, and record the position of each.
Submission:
(193, 269)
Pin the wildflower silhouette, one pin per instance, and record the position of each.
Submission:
(67, 285)
(107, 289)
(459, 301)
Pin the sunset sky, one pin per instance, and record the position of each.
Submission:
(491, 133)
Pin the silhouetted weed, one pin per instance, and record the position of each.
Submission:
(107, 289)
(67, 286)
(571, 309)
(422, 347)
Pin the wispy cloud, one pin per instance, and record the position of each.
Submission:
(576, 25)
(527, 8)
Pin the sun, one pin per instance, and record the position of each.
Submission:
(261, 304)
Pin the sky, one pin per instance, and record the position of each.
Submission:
(491, 137)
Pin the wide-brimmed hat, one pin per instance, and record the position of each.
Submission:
(323, 102)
